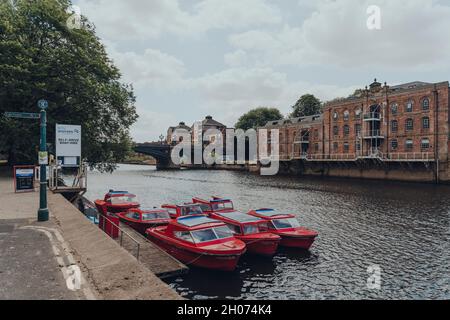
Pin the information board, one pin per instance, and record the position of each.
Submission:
(68, 145)
(24, 179)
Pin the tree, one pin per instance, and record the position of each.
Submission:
(42, 58)
(258, 117)
(307, 105)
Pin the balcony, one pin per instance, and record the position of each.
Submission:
(373, 134)
(372, 116)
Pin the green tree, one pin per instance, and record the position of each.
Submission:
(258, 117)
(307, 105)
(42, 58)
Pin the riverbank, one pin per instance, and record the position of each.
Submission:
(65, 243)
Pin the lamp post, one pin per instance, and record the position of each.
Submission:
(43, 214)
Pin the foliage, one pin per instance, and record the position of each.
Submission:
(258, 117)
(41, 58)
(307, 105)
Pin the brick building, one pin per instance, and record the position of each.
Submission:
(383, 125)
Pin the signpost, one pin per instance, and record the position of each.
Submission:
(22, 115)
(43, 214)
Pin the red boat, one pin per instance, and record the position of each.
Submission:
(189, 209)
(141, 220)
(199, 241)
(215, 204)
(116, 202)
(288, 228)
(251, 230)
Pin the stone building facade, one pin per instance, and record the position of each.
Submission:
(390, 129)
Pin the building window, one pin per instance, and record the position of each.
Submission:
(346, 147)
(358, 146)
(358, 130)
(316, 147)
(410, 106)
(394, 125)
(346, 130)
(394, 109)
(426, 123)
(409, 124)
(409, 145)
(335, 147)
(346, 115)
(394, 145)
(358, 113)
(426, 104)
(335, 116)
(425, 144)
(336, 130)
(316, 134)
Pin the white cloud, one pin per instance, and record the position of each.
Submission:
(152, 68)
(143, 19)
(414, 33)
(151, 124)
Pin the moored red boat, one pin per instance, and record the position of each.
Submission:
(199, 241)
(116, 202)
(141, 220)
(251, 230)
(188, 209)
(214, 204)
(288, 228)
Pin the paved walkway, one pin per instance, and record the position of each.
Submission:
(40, 260)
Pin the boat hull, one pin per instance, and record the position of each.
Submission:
(297, 242)
(142, 227)
(262, 247)
(221, 262)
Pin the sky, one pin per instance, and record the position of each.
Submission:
(191, 58)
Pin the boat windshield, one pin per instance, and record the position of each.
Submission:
(251, 229)
(285, 223)
(212, 234)
(191, 210)
(155, 215)
(222, 205)
(123, 199)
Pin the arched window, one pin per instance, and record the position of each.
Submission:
(346, 115)
(358, 113)
(425, 144)
(335, 116)
(357, 129)
(394, 109)
(410, 106)
(409, 124)
(426, 104)
(346, 147)
(426, 123)
(394, 145)
(336, 130)
(346, 130)
(394, 125)
(409, 145)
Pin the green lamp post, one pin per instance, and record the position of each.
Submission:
(43, 213)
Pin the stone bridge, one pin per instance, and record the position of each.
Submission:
(159, 151)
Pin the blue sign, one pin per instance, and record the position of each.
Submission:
(43, 104)
(22, 115)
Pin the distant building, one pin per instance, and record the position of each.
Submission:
(173, 137)
(407, 123)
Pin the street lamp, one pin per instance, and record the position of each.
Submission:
(161, 138)
(43, 214)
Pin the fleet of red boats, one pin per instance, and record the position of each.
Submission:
(209, 233)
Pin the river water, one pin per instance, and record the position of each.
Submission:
(402, 228)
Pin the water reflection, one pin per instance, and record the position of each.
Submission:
(404, 228)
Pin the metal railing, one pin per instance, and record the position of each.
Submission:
(372, 116)
(121, 233)
(373, 134)
(332, 157)
(414, 156)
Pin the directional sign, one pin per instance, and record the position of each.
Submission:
(43, 104)
(22, 115)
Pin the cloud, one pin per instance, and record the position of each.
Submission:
(151, 69)
(143, 19)
(229, 93)
(336, 33)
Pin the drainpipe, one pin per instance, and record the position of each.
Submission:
(436, 133)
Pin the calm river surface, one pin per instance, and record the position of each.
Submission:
(403, 228)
